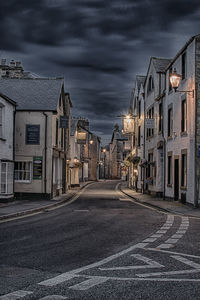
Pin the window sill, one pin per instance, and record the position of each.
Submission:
(183, 133)
(169, 185)
(183, 188)
(169, 138)
(22, 181)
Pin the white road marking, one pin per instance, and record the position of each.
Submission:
(172, 252)
(161, 231)
(156, 235)
(69, 275)
(149, 264)
(187, 262)
(165, 246)
(181, 259)
(150, 240)
(87, 284)
(15, 295)
(171, 241)
(53, 297)
(181, 272)
(178, 235)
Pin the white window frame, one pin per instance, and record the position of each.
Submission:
(2, 111)
(8, 180)
(30, 171)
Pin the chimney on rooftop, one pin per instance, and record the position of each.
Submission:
(3, 61)
(18, 64)
(12, 63)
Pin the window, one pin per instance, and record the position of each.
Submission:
(6, 178)
(1, 120)
(56, 132)
(184, 169)
(150, 86)
(183, 116)
(139, 109)
(169, 170)
(23, 171)
(183, 64)
(160, 121)
(170, 122)
(150, 168)
(139, 136)
(150, 115)
(170, 85)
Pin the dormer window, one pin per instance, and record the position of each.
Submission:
(150, 86)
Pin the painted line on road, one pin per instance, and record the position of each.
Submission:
(69, 275)
(171, 252)
(169, 243)
(181, 272)
(16, 295)
(150, 263)
(87, 284)
(53, 297)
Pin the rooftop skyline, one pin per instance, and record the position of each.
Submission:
(98, 46)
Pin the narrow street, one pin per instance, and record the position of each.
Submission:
(101, 246)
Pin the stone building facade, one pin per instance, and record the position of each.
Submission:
(41, 135)
(7, 117)
(172, 126)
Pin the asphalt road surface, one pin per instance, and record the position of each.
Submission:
(101, 246)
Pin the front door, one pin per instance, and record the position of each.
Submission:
(176, 179)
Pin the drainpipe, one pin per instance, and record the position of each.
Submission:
(45, 154)
(14, 117)
(164, 152)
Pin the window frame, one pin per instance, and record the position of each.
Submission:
(169, 169)
(183, 116)
(8, 180)
(184, 169)
(30, 172)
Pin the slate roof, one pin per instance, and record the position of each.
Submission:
(161, 64)
(74, 123)
(33, 94)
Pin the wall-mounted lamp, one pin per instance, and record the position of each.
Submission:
(175, 79)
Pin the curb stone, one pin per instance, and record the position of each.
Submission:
(42, 208)
(158, 207)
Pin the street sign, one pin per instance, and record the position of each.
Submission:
(37, 167)
(149, 123)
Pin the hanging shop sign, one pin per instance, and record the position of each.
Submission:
(81, 137)
(128, 125)
(37, 167)
(149, 123)
(63, 122)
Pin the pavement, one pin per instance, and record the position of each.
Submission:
(18, 208)
(165, 205)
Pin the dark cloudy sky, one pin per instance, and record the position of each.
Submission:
(97, 45)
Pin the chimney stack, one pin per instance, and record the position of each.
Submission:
(12, 63)
(18, 64)
(3, 61)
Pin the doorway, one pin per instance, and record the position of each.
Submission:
(176, 179)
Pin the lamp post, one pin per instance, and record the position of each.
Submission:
(175, 80)
(104, 161)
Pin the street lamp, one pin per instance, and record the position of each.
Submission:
(104, 159)
(175, 79)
